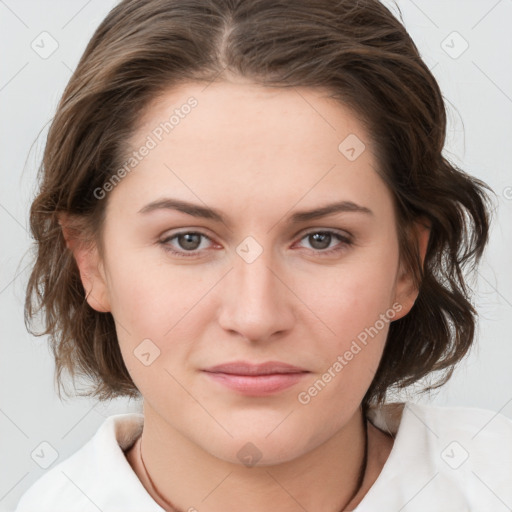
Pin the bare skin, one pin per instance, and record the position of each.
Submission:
(258, 156)
(379, 447)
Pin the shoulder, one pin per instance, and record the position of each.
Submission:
(471, 450)
(480, 425)
(92, 478)
(463, 421)
(444, 458)
(462, 434)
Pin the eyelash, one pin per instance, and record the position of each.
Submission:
(346, 241)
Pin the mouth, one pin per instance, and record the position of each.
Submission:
(256, 379)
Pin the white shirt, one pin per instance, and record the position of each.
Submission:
(444, 459)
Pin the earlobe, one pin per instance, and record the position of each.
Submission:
(406, 291)
(90, 266)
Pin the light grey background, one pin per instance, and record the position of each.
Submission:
(477, 85)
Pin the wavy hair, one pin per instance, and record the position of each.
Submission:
(363, 55)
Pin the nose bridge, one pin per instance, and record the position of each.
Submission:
(256, 304)
(255, 280)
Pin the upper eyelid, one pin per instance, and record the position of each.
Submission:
(203, 231)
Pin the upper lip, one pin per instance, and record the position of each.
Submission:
(245, 368)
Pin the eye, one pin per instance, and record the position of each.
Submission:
(321, 240)
(187, 241)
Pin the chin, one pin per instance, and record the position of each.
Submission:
(256, 447)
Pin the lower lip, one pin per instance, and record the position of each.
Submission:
(257, 385)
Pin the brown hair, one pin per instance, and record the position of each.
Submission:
(359, 52)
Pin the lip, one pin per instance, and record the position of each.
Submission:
(256, 379)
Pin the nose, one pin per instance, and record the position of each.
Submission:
(256, 302)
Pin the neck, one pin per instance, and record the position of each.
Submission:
(181, 473)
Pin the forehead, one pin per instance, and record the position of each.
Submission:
(246, 112)
(248, 144)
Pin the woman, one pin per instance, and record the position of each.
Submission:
(245, 219)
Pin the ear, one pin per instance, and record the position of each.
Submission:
(90, 266)
(406, 292)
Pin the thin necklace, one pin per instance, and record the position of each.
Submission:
(172, 508)
(362, 472)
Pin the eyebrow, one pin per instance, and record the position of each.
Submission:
(196, 210)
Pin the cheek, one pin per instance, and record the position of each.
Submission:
(358, 311)
(157, 310)
(355, 302)
(352, 297)
(149, 298)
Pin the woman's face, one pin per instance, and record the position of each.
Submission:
(262, 276)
